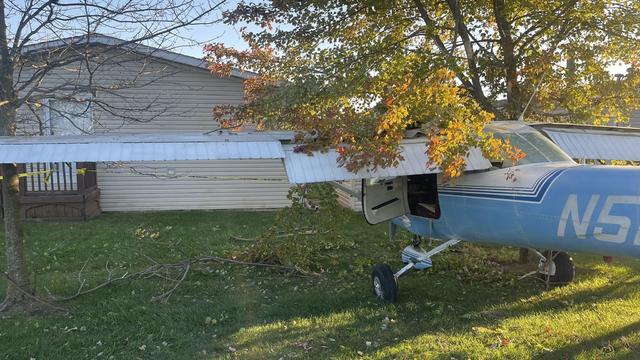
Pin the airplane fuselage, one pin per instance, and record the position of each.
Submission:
(553, 205)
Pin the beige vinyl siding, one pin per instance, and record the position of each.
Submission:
(183, 101)
(197, 185)
(151, 96)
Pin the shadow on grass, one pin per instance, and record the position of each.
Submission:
(601, 344)
(343, 327)
(346, 327)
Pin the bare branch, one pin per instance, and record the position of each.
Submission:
(164, 297)
(528, 36)
(26, 293)
(156, 269)
(473, 85)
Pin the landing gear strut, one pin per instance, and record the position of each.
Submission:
(385, 282)
(557, 268)
(554, 268)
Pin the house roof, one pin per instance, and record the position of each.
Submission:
(99, 39)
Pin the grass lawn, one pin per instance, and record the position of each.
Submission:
(469, 306)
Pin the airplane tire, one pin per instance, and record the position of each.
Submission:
(385, 286)
(565, 269)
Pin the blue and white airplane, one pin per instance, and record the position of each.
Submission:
(547, 201)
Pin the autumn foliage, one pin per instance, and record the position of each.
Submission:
(357, 75)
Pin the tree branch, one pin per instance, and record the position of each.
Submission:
(472, 64)
(510, 64)
(26, 293)
(155, 270)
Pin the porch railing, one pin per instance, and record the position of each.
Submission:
(66, 177)
(59, 190)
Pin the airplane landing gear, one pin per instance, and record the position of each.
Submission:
(555, 268)
(385, 282)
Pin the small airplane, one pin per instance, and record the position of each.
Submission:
(546, 201)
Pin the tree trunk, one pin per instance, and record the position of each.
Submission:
(507, 47)
(514, 99)
(19, 284)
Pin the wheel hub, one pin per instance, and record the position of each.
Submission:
(377, 287)
(547, 267)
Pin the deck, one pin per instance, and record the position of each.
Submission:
(63, 190)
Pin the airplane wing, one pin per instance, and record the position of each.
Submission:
(591, 142)
(139, 147)
(323, 167)
(300, 167)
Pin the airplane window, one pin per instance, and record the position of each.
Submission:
(549, 149)
(538, 148)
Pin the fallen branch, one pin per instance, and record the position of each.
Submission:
(110, 280)
(4, 306)
(157, 269)
(165, 296)
(307, 232)
(292, 269)
(240, 238)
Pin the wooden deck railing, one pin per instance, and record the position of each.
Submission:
(59, 190)
(58, 178)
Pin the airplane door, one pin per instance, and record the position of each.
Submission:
(384, 199)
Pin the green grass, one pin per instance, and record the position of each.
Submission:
(469, 306)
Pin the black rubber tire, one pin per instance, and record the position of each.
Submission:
(565, 269)
(388, 286)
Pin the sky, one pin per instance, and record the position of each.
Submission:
(219, 32)
(215, 33)
(226, 34)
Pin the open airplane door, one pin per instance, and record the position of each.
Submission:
(384, 199)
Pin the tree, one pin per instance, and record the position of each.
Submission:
(25, 65)
(357, 74)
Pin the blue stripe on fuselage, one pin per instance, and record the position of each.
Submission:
(536, 195)
(496, 188)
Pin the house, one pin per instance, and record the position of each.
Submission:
(134, 89)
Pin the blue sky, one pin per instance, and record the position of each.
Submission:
(227, 34)
(223, 33)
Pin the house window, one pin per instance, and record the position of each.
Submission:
(65, 117)
(61, 117)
